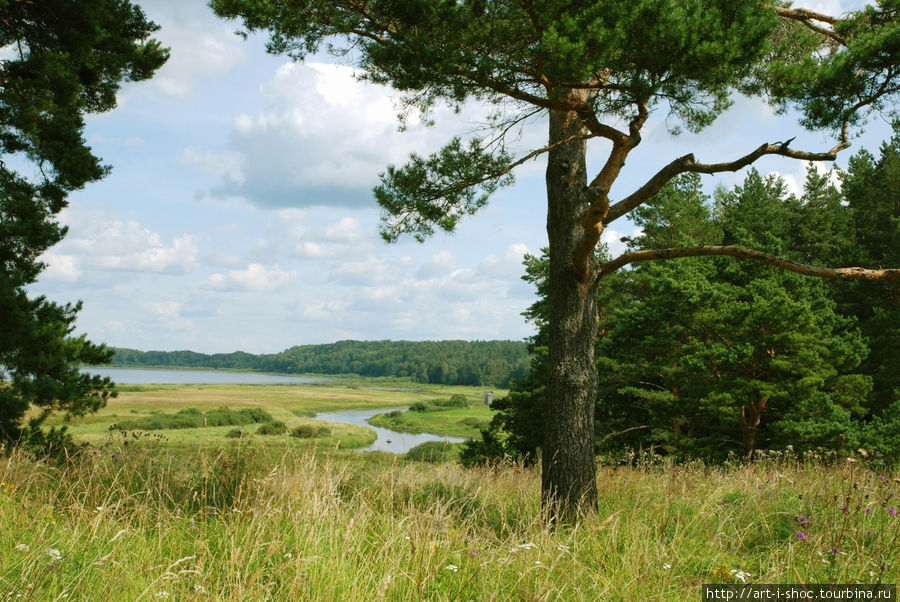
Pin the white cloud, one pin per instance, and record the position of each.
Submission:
(202, 45)
(63, 268)
(98, 241)
(324, 136)
(225, 165)
(256, 278)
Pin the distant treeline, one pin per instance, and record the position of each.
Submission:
(489, 363)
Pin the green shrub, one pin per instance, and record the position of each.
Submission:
(309, 431)
(418, 407)
(189, 418)
(433, 451)
(272, 428)
(471, 421)
(236, 434)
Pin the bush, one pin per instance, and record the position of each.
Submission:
(471, 421)
(308, 431)
(236, 434)
(418, 407)
(272, 428)
(189, 418)
(433, 451)
(396, 414)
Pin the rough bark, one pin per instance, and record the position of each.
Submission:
(569, 484)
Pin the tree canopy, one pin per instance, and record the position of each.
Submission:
(598, 69)
(61, 60)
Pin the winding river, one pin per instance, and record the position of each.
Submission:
(387, 440)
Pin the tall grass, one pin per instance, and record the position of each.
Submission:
(248, 523)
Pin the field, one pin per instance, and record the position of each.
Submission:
(200, 516)
(293, 405)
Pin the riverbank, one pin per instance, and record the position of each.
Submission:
(291, 407)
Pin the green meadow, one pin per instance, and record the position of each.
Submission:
(193, 514)
(291, 405)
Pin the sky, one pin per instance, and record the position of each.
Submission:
(239, 212)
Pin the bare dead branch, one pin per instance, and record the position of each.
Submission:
(808, 19)
(687, 164)
(851, 273)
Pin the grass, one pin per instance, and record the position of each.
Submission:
(158, 406)
(454, 422)
(251, 522)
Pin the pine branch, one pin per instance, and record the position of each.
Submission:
(850, 273)
(687, 164)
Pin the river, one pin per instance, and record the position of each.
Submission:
(387, 440)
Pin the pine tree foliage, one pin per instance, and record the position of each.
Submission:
(62, 59)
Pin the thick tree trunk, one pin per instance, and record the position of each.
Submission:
(569, 484)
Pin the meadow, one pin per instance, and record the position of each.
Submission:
(274, 518)
(291, 405)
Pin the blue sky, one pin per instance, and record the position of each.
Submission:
(239, 213)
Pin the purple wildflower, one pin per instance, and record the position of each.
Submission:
(835, 550)
(845, 509)
(882, 477)
(474, 553)
(804, 520)
(801, 535)
(892, 511)
(870, 532)
(868, 511)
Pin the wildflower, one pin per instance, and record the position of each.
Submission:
(562, 547)
(474, 554)
(835, 550)
(199, 588)
(54, 554)
(740, 575)
(538, 563)
(22, 547)
(452, 568)
(288, 555)
(868, 511)
(882, 477)
(804, 520)
(98, 509)
(892, 511)
(162, 594)
(801, 535)
(667, 566)
(870, 532)
(845, 509)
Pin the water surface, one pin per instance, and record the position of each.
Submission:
(388, 440)
(161, 376)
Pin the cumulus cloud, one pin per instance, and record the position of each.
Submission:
(324, 136)
(62, 268)
(202, 45)
(98, 241)
(256, 278)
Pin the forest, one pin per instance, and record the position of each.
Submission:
(712, 358)
(479, 363)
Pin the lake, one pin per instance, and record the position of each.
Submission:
(150, 376)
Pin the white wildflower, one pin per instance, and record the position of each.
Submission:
(54, 554)
(740, 575)
(562, 547)
(667, 566)
(288, 555)
(22, 547)
(162, 594)
(452, 568)
(199, 588)
(98, 509)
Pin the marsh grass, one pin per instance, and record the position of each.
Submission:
(249, 522)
